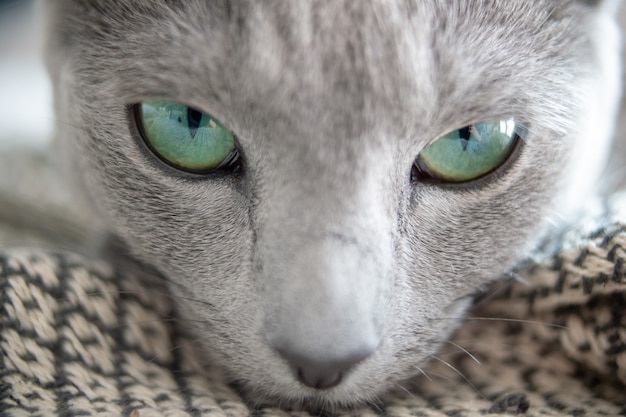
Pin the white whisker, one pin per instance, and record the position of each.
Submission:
(466, 351)
(543, 323)
(423, 373)
(460, 374)
(517, 277)
(406, 390)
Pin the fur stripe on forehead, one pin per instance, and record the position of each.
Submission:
(108, 12)
(440, 49)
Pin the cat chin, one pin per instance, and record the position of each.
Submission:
(295, 396)
(366, 383)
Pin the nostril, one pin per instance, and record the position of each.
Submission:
(322, 374)
(318, 378)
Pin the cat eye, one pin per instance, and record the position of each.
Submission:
(186, 138)
(468, 153)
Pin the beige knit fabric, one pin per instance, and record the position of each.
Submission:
(83, 337)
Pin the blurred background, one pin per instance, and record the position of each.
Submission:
(25, 96)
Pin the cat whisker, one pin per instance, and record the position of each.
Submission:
(259, 399)
(193, 299)
(178, 320)
(373, 401)
(453, 368)
(172, 349)
(421, 371)
(400, 386)
(464, 350)
(505, 319)
(489, 348)
(517, 277)
(68, 124)
(450, 380)
(170, 281)
(555, 218)
(534, 322)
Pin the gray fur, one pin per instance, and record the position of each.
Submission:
(322, 244)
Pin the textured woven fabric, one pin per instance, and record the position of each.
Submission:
(83, 337)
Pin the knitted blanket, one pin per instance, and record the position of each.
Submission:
(86, 337)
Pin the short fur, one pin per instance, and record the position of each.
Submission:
(322, 244)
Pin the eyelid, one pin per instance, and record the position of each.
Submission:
(522, 130)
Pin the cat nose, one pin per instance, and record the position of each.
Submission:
(322, 374)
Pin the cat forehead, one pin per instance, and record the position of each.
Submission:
(453, 55)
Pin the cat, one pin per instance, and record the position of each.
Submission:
(325, 185)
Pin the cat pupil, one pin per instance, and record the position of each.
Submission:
(464, 136)
(193, 119)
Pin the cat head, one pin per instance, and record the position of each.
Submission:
(326, 250)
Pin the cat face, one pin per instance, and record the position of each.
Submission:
(322, 263)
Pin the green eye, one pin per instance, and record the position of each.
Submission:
(468, 153)
(186, 138)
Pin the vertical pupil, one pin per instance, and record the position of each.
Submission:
(464, 136)
(193, 119)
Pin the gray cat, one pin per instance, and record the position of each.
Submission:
(325, 184)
